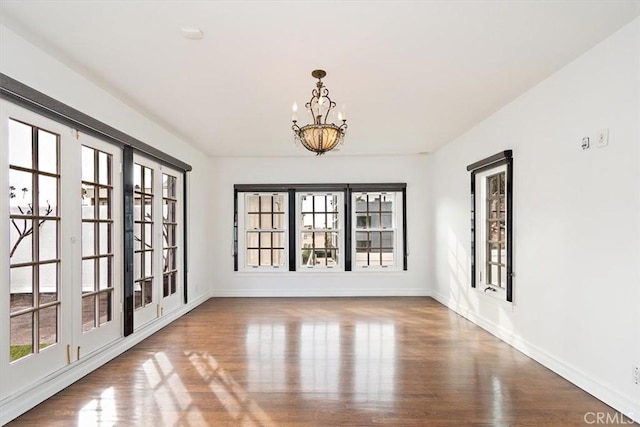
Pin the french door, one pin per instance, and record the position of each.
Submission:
(60, 288)
(157, 231)
(98, 319)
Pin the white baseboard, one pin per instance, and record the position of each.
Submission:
(624, 405)
(285, 293)
(19, 403)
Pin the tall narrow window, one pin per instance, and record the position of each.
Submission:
(319, 226)
(375, 229)
(169, 234)
(495, 225)
(97, 238)
(265, 225)
(34, 217)
(143, 193)
(491, 229)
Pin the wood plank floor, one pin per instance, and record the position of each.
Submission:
(319, 362)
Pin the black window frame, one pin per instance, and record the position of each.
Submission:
(499, 159)
(346, 189)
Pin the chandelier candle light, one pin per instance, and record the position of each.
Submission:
(320, 136)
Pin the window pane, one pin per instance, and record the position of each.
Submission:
(48, 240)
(48, 195)
(20, 144)
(148, 180)
(171, 235)
(320, 221)
(362, 240)
(21, 336)
(48, 326)
(137, 177)
(137, 207)
(47, 151)
(88, 312)
(105, 307)
(104, 168)
(265, 240)
(104, 201)
(20, 241)
(253, 203)
(20, 192)
(279, 203)
(174, 283)
(265, 221)
(253, 221)
(307, 221)
(88, 201)
(88, 275)
(374, 203)
(387, 256)
(48, 282)
(137, 294)
(148, 236)
(169, 211)
(375, 219)
(137, 265)
(137, 236)
(279, 221)
(265, 204)
(306, 204)
(21, 287)
(105, 238)
(278, 240)
(363, 220)
(147, 212)
(105, 273)
(265, 257)
(88, 164)
(387, 239)
(148, 291)
(148, 263)
(252, 257)
(387, 220)
(319, 203)
(278, 257)
(252, 239)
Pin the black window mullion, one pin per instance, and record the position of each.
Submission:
(347, 253)
(292, 230)
(128, 226)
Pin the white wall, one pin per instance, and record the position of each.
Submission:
(30, 65)
(576, 221)
(325, 169)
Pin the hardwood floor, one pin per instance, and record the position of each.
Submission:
(319, 362)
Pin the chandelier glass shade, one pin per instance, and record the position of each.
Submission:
(320, 136)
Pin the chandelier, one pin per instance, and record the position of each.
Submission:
(320, 136)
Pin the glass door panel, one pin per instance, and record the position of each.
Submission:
(171, 239)
(99, 319)
(146, 244)
(33, 337)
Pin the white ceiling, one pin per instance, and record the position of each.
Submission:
(412, 74)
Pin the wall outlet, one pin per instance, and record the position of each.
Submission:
(585, 143)
(636, 375)
(602, 139)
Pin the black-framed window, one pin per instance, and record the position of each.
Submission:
(492, 225)
(264, 234)
(320, 227)
(378, 217)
